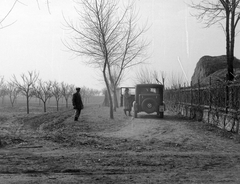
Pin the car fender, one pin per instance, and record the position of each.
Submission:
(135, 106)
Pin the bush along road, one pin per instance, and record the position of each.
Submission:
(52, 148)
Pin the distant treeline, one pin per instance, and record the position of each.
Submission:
(30, 86)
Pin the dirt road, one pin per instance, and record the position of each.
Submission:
(52, 148)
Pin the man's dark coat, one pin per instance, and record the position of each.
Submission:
(77, 101)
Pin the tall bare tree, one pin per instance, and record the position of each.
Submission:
(26, 84)
(109, 37)
(218, 11)
(43, 91)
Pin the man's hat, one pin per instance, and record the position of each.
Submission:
(78, 88)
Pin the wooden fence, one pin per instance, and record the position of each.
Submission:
(218, 95)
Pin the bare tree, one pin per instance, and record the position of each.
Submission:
(175, 81)
(212, 12)
(7, 14)
(130, 51)
(12, 92)
(3, 19)
(1, 81)
(87, 93)
(144, 76)
(26, 85)
(83, 93)
(109, 37)
(159, 77)
(43, 91)
(91, 93)
(2, 88)
(3, 92)
(67, 91)
(149, 76)
(57, 92)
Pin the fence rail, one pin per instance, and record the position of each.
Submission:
(221, 95)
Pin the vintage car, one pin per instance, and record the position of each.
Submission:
(149, 99)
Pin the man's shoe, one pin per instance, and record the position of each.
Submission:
(75, 119)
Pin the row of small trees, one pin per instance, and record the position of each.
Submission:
(30, 85)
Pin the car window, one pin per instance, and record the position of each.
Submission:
(153, 90)
(149, 90)
(131, 91)
(143, 90)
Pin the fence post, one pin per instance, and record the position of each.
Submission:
(236, 120)
(191, 100)
(179, 97)
(226, 98)
(210, 99)
(210, 95)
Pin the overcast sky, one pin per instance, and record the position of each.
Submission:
(33, 42)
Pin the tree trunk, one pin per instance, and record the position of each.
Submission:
(231, 52)
(11, 100)
(57, 104)
(66, 102)
(106, 99)
(228, 46)
(44, 106)
(110, 96)
(115, 99)
(27, 104)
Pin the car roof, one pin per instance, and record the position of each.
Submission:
(149, 85)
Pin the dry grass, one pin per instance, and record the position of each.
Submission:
(57, 126)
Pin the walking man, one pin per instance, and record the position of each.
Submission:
(77, 104)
